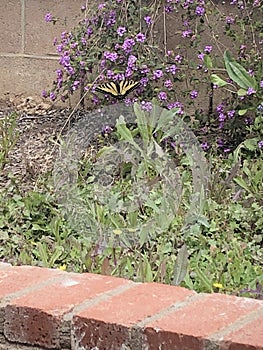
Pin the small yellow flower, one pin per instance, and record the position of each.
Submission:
(218, 285)
(117, 232)
(63, 267)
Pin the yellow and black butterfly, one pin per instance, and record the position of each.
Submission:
(118, 90)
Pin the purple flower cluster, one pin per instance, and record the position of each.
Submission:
(48, 17)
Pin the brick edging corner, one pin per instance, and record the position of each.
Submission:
(53, 309)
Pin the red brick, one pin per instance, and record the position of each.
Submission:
(107, 325)
(17, 278)
(248, 337)
(187, 328)
(37, 317)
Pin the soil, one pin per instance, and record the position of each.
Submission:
(36, 147)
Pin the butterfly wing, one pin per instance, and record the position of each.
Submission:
(110, 88)
(117, 90)
(126, 86)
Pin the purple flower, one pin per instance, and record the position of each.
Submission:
(95, 100)
(208, 49)
(260, 144)
(221, 117)
(128, 72)
(248, 121)
(157, 74)
(220, 143)
(144, 81)
(220, 108)
(89, 31)
(168, 9)
(250, 91)
(110, 18)
(65, 59)
(52, 96)
(131, 60)
(148, 20)
(101, 6)
(193, 94)
(172, 69)
(145, 69)
(140, 37)
(119, 76)
(178, 58)
(75, 85)
(128, 44)
(205, 146)
(200, 11)
(60, 48)
(230, 20)
(121, 31)
(70, 70)
(178, 105)
(106, 130)
(59, 73)
(44, 93)
(168, 84)
(146, 105)
(231, 113)
(162, 96)
(110, 74)
(261, 84)
(201, 56)
(48, 17)
(187, 33)
(111, 56)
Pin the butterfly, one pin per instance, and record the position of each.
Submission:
(118, 90)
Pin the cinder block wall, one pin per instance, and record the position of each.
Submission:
(27, 55)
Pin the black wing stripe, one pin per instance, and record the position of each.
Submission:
(117, 90)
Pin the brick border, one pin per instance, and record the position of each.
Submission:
(53, 309)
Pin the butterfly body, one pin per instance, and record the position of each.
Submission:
(117, 90)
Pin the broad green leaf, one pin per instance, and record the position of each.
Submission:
(251, 144)
(215, 79)
(242, 111)
(242, 92)
(180, 267)
(148, 274)
(142, 124)
(238, 73)
(208, 62)
(124, 132)
(55, 256)
(242, 183)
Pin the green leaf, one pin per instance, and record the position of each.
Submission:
(180, 267)
(242, 111)
(124, 132)
(148, 272)
(251, 144)
(142, 124)
(208, 62)
(215, 79)
(242, 92)
(242, 183)
(238, 73)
